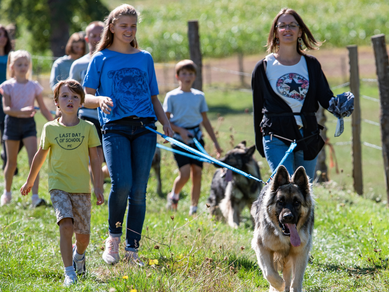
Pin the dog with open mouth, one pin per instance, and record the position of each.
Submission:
(284, 218)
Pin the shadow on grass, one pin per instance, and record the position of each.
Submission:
(352, 271)
(225, 109)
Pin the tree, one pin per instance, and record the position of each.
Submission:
(50, 22)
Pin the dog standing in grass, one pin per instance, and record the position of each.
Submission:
(284, 217)
(231, 192)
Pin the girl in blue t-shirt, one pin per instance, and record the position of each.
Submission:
(121, 83)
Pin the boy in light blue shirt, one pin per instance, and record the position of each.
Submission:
(186, 109)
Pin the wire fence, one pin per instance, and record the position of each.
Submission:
(223, 79)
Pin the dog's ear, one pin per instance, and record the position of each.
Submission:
(281, 178)
(250, 151)
(301, 179)
(241, 145)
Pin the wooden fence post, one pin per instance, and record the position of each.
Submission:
(195, 52)
(241, 69)
(356, 120)
(382, 66)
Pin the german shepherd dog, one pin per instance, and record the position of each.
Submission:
(284, 217)
(231, 192)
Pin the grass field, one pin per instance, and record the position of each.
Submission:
(230, 26)
(350, 250)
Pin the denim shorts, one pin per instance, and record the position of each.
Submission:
(19, 128)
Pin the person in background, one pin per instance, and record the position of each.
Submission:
(19, 95)
(75, 49)
(186, 109)
(122, 84)
(288, 86)
(5, 49)
(70, 143)
(77, 72)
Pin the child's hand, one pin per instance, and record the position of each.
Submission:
(27, 112)
(26, 188)
(105, 104)
(168, 131)
(185, 134)
(99, 196)
(218, 150)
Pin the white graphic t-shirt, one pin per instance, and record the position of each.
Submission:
(291, 83)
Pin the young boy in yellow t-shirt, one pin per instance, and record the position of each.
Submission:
(70, 144)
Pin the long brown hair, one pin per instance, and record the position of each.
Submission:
(307, 38)
(74, 38)
(8, 45)
(107, 36)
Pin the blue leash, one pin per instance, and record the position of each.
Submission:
(215, 161)
(199, 146)
(290, 150)
(183, 153)
(37, 108)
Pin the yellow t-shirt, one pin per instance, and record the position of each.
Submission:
(69, 154)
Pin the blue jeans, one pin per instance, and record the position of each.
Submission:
(275, 150)
(129, 155)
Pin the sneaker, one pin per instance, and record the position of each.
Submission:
(171, 202)
(70, 280)
(132, 258)
(38, 202)
(193, 210)
(79, 265)
(111, 252)
(5, 198)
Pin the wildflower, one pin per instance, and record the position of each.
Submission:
(125, 277)
(153, 262)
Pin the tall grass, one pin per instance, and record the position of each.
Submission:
(231, 26)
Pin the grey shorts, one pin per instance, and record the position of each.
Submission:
(76, 206)
(18, 128)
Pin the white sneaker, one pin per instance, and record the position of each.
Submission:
(111, 252)
(193, 210)
(5, 198)
(79, 265)
(133, 259)
(37, 202)
(70, 280)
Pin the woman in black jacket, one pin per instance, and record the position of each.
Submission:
(288, 87)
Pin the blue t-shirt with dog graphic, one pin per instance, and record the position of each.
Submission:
(128, 79)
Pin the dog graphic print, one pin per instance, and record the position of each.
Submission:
(129, 88)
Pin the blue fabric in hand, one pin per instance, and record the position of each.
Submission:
(341, 106)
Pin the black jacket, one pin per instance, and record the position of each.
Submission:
(273, 115)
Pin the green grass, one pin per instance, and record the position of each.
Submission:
(350, 250)
(231, 26)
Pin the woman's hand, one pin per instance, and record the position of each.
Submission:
(105, 104)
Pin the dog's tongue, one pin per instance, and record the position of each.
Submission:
(294, 236)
